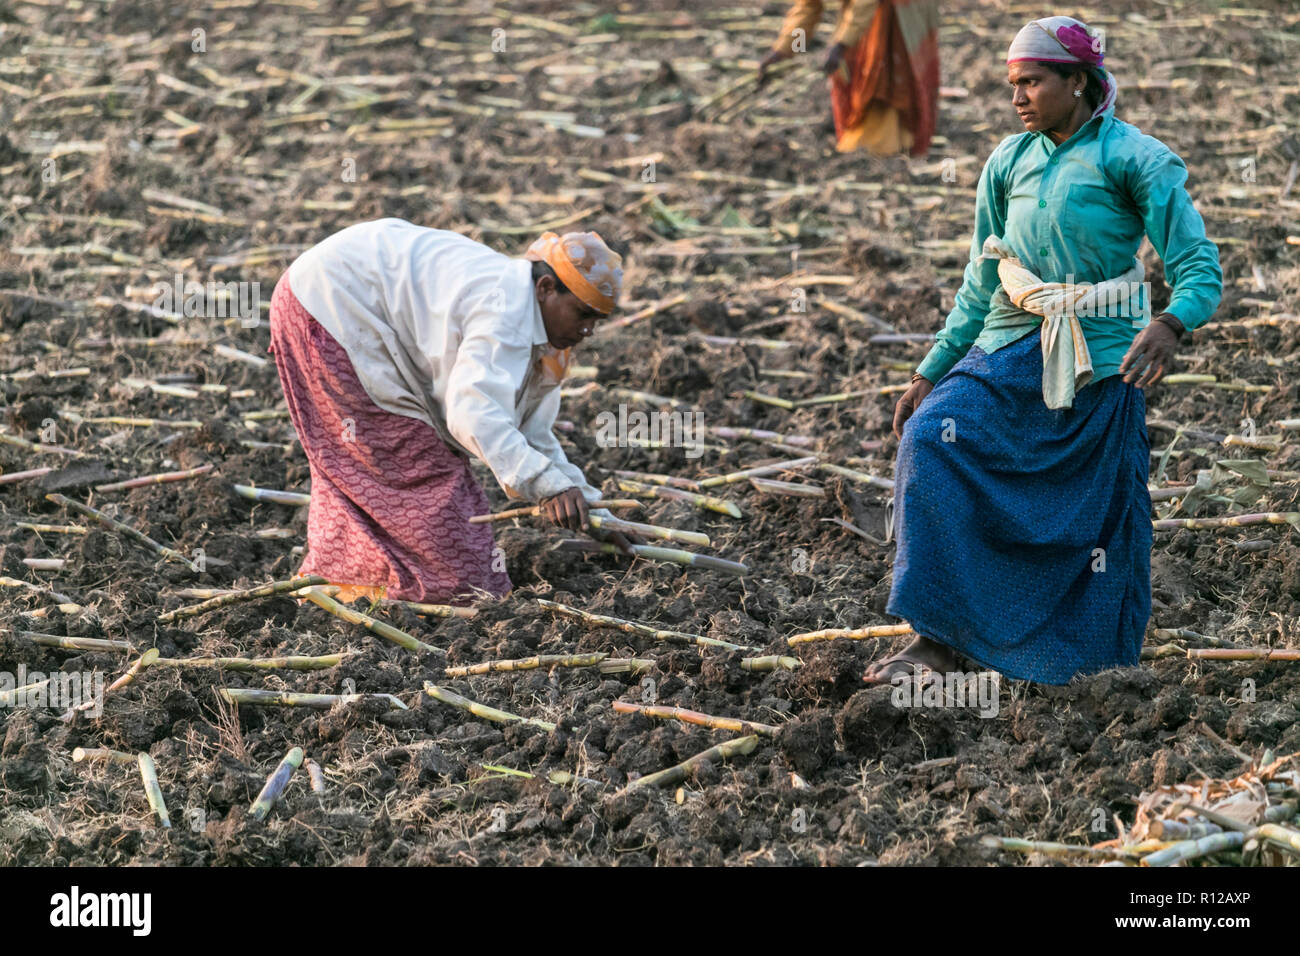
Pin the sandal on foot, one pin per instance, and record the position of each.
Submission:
(915, 669)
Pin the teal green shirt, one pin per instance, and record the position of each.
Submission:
(1076, 213)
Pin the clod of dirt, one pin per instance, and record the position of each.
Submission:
(808, 742)
(619, 809)
(1169, 768)
(82, 475)
(1123, 691)
(831, 673)
(1173, 706)
(1261, 723)
(869, 722)
(11, 561)
(33, 413)
(27, 772)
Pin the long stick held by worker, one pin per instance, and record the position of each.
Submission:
(403, 351)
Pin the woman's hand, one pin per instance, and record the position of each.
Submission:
(1151, 355)
(568, 509)
(909, 403)
(773, 57)
(834, 58)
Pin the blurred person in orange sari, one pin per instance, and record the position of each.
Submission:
(883, 65)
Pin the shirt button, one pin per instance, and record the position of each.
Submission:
(1042, 252)
(1053, 158)
(1042, 204)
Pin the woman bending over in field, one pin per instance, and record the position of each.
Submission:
(402, 352)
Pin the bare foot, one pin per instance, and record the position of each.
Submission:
(922, 652)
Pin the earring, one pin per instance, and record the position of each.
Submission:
(1078, 92)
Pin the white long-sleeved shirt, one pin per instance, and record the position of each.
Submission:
(445, 330)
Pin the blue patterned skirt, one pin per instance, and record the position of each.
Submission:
(1024, 533)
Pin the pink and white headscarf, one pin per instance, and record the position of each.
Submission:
(1064, 40)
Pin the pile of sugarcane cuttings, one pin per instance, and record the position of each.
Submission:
(1249, 820)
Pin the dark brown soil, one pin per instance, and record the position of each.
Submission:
(850, 779)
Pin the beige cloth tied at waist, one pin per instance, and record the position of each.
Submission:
(1067, 363)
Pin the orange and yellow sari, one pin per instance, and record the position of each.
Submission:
(885, 95)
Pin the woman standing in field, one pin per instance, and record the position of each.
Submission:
(1024, 519)
(883, 65)
(404, 350)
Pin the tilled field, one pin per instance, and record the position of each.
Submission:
(130, 156)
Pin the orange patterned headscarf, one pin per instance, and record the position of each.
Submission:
(587, 267)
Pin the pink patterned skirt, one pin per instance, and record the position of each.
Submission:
(390, 501)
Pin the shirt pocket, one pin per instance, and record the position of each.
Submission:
(1096, 215)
